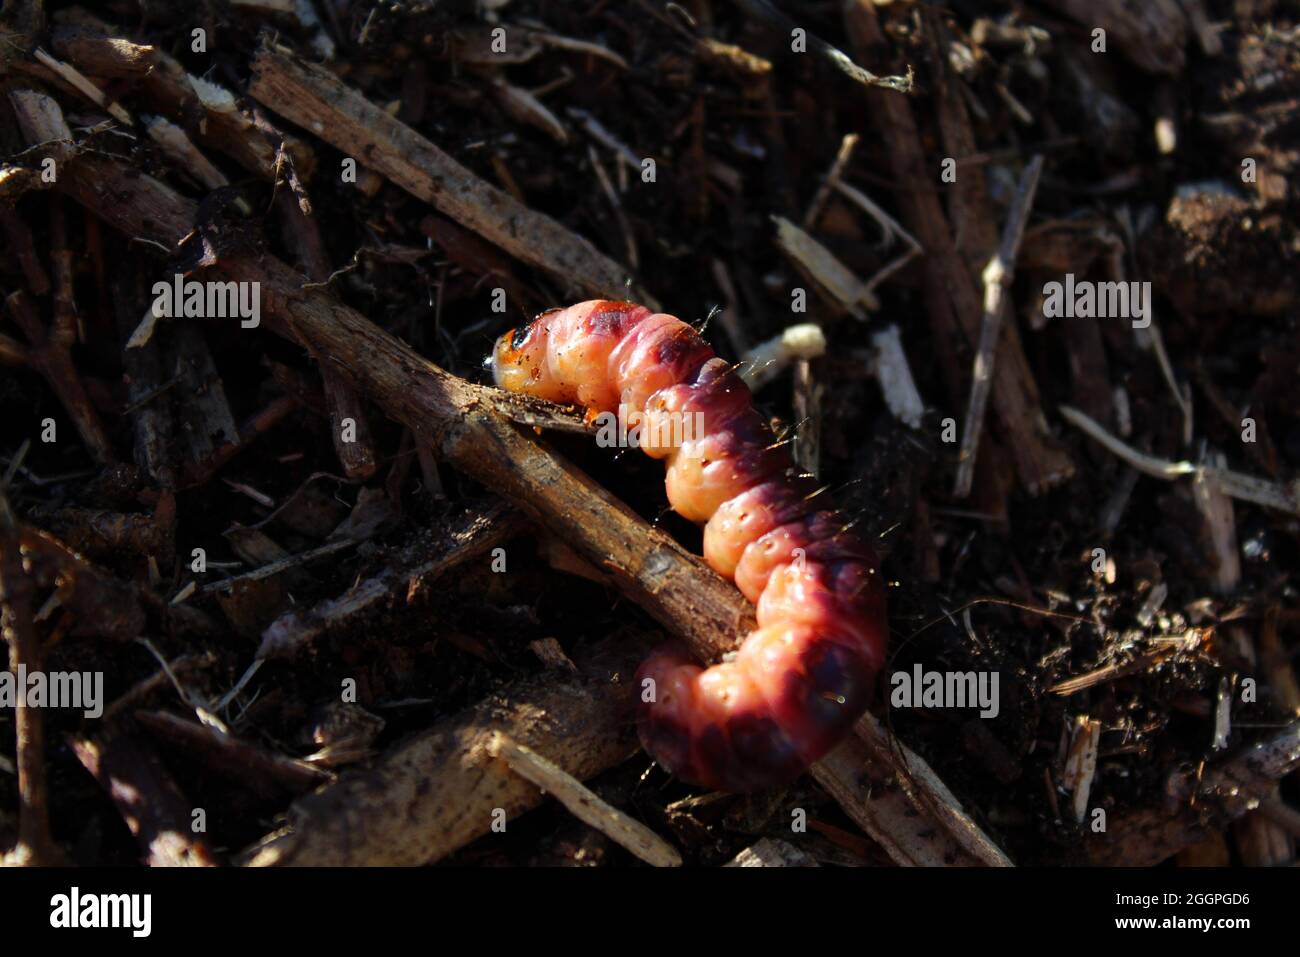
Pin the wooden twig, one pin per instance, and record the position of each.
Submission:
(1248, 488)
(65, 329)
(765, 11)
(1218, 518)
(148, 405)
(467, 539)
(890, 226)
(998, 276)
(356, 450)
(1112, 672)
(22, 247)
(1081, 764)
(904, 805)
(845, 153)
(78, 81)
(105, 532)
(180, 148)
(274, 568)
(156, 812)
(316, 100)
(35, 846)
(582, 802)
(845, 289)
(205, 417)
(263, 772)
(198, 471)
(969, 204)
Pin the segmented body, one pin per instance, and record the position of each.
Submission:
(800, 680)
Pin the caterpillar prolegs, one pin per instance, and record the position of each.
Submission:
(800, 680)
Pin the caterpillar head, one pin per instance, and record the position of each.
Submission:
(519, 363)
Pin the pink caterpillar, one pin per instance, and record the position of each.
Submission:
(800, 680)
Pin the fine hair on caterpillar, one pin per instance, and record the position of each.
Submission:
(800, 680)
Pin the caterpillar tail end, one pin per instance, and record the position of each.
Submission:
(721, 727)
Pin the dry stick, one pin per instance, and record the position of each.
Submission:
(22, 247)
(181, 150)
(34, 844)
(49, 353)
(886, 808)
(52, 359)
(259, 423)
(276, 567)
(469, 538)
(1248, 488)
(356, 452)
(1081, 764)
(155, 810)
(888, 224)
(317, 101)
(605, 138)
(894, 373)
(845, 153)
(100, 605)
(952, 302)
(465, 422)
(74, 78)
(762, 10)
(260, 771)
(815, 261)
(998, 276)
(104, 530)
(969, 206)
(583, 803)
(207, 423)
